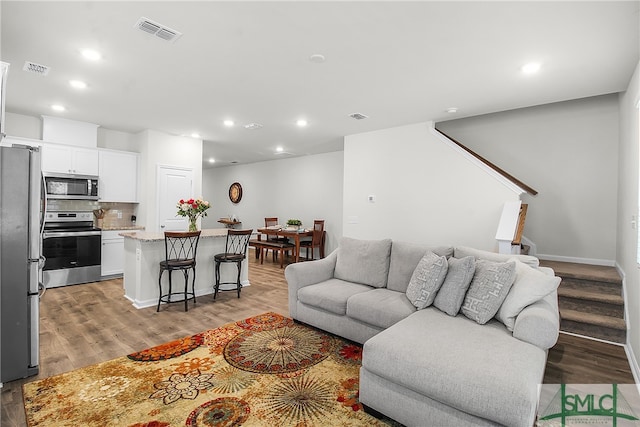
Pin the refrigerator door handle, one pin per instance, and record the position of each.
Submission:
(43, 196)
(34, 330)
(35, 214)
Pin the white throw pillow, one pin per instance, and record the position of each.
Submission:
(531, 285)
(426, 280)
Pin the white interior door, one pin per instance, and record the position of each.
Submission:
(174, 183)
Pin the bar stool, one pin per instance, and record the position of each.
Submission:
(235, 252)
(180, 254)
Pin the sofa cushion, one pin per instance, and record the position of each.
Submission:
(331, 295)
(531, 285)
(426, 280)
(456, 283)
(488, 289)
(363, 261)
(478, 369)
(379, 307)
(463, 251)
(404, 259)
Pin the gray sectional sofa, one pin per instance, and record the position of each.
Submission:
(452, 336)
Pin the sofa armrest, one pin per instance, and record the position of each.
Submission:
(539, 323)
(303, 274)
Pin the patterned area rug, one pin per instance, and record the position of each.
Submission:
(265, 370)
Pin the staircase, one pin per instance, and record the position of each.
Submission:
(590, 300)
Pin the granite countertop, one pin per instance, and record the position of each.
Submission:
(126, 227)
(152, 236)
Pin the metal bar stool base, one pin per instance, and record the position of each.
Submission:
(166, 298)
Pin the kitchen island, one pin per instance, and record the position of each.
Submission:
(143, 251)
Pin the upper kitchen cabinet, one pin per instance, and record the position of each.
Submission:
(60, 158)
(118, 176)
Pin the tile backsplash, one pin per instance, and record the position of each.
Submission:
(118, 214)
(115, 214)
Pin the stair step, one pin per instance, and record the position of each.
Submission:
(593, 319)
(572, 270)
(589, 294)
(591, 306)
(599, 332)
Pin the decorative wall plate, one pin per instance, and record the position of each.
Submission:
(235, 192)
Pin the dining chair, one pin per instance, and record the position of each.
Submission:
(317, 240)
(180, 250)
(235, 252)
(272, 222)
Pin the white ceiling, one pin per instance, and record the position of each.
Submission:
(397, 62)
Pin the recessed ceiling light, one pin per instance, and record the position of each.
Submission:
(78, 84)
(91, 54)
(531, 68)
(195, 135)
(212, 160)
(58, 107)
(451, 110)
(301, 123)
(317, 58)
(228, 123)
(279, 149)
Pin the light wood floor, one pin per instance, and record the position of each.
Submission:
(87, 324)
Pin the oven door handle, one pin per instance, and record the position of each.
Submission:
(50, 234)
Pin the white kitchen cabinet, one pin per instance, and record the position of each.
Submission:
(58, 158)
(118, 176)
(112, 254)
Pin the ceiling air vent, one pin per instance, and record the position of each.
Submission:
(32, 67)
(252, 126)
(358, 116)
(158, 30)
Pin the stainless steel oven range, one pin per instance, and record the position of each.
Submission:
(71, 246)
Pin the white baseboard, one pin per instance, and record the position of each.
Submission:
(199, 292)
(592, 261)
(635, 369)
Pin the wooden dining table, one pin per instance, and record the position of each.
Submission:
(292, 234)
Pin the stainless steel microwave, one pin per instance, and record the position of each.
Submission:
(71, 187)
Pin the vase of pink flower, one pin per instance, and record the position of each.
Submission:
(192, 209)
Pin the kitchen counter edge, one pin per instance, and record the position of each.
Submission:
(153, 236)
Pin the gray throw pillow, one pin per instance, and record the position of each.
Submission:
(489, 287)
(452, 292)
(363, 261)
(426, 280)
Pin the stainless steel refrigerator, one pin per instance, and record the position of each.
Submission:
(21, 207)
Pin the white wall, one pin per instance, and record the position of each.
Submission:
(628, 206)
(158, 148)
(568, 152)
(31, 127)
(425, 191)
(305, 188)
(23, 126)
(117, 140)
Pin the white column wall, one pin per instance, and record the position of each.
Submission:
(627, 234)
(158, 148)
